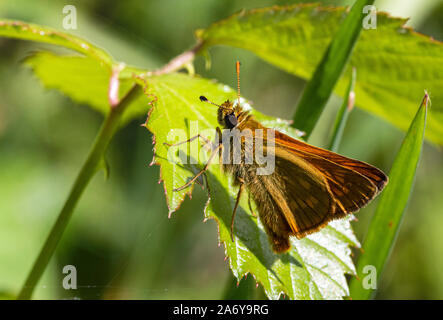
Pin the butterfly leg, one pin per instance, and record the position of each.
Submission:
(207, 141)
(211, 157)
(240, 190)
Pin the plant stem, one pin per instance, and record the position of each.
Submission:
(89, 168)
(343, 113)
(178, 62)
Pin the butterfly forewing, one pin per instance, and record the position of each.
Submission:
(372, 173)
(350, 189)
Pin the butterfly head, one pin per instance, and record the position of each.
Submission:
(227, 114)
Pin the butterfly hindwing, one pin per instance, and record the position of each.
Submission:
(294, 200)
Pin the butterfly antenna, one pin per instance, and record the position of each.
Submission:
(238, 81)
(204, 99)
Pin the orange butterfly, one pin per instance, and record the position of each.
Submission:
(308, 187)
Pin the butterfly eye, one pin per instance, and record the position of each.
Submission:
(231, 120)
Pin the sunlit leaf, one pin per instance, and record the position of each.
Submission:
(85, 80)
(82, 79)
(319, 88)
(394, 63)
(27, 31)
(315, 266)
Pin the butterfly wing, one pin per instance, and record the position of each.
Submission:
(353, 183)
(376, 176)
(309, 187)
(294, 200)
(350, 189)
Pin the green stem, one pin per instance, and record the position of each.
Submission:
(343, 113)
(89, 168)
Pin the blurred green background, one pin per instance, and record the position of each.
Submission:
(120, 238)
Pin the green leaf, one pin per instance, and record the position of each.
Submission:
(26, 31)
(387, 218)
(320, 87)
(315, 266)
(394, 63)
(85, 80)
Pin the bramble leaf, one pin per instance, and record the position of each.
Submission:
(315, 266)
(394, 63)
(85, 80)
(81, 78)
(28, 31)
